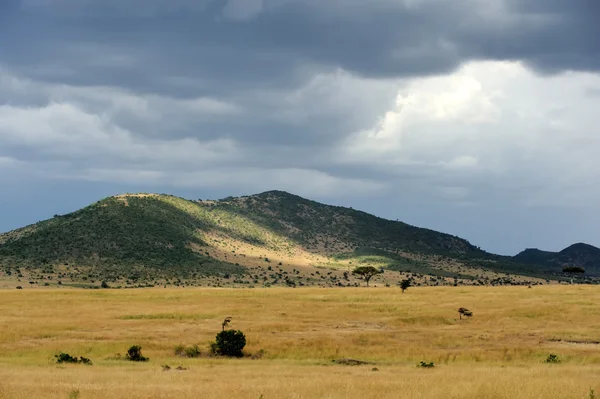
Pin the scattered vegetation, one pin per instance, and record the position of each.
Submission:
(371, 325)
(350, 362)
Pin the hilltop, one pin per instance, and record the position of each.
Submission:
(268, 238)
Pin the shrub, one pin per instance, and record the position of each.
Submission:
(229, 343)
(192, 351)
(552, 359)
(189, 351)
(135, 354)
(464, 312)
(66, 358)
(85, 360)
(179, 350)
(426, 365)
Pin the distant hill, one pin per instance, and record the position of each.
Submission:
(579, 255)
(534, 256)
(142, 237)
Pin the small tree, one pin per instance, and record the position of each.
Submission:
(404, 285)
(464, 312)
(366, 272)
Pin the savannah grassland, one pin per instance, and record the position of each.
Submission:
(499, 353)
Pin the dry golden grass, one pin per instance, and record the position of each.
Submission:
(499, 353)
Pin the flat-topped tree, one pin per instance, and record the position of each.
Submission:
(573, 270)
(366, 272)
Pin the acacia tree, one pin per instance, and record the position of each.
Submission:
(404, 285)
(366, 272)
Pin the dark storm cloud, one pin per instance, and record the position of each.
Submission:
(140, 44)
(550, 35)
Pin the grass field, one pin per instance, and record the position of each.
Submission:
(499, 353)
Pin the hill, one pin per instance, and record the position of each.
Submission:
(533, 256)
(579, 255)
(269, 238)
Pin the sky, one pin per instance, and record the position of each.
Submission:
(478, 118)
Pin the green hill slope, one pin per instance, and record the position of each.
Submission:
(118, 233)
(144, 237)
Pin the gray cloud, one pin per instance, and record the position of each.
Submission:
(271, 43)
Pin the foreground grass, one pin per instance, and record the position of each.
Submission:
(499, 353)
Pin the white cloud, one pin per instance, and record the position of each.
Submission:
(499, 123)
(65, 130)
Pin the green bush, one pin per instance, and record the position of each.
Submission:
(552, 359)
(229, 343)
(135, 354)
(66, 358)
